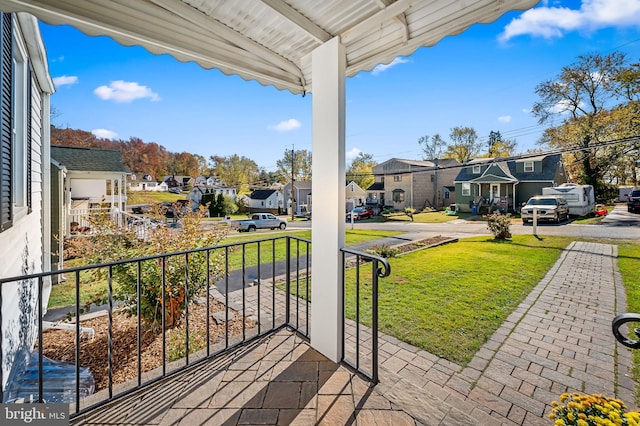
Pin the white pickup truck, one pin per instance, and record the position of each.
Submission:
(261, 221)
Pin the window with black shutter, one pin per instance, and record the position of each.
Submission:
(6, 114)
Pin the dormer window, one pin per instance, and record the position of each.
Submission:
(476, 169)
(528, 166)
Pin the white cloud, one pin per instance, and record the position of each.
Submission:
(104, 133)
(383, 67)
(125, 91)
(550, 22)
(504, 118)
(65, 80)
(352, 154)
(287, 125)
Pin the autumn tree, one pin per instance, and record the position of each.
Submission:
(203, 167)
(301, 162)
(267, 178)
(595, 95)
(361, 170)
(237, 171)
(143, 157)
(463, 144)
(432, 146)
(499, 147)
(184, 163)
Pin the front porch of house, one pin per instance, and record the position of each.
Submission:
(495, 196)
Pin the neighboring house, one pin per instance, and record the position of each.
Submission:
(417, 184)
(25, 215)
(145, 182)
(176, 181)
(491, 184)
(91, 179)
(172, 182)
(354, 196)
(195, 196)
(208, 181)
(265, 200)
(302, 197)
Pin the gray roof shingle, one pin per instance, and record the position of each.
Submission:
(89, 159)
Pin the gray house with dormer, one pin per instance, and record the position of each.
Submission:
(492, 184)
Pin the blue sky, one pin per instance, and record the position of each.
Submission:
(484, 78)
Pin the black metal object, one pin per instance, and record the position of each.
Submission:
(631, 339)
(284, 252)
(379, 268)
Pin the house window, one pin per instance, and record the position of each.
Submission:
(528, 166)
(397, 178)
(433, 178)
(398, 196)
(466, 189)
(476, 169)
(19, 126)
(446, 195)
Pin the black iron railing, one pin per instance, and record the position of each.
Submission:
(252, 280)
(361, 272)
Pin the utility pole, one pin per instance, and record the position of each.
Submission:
(293, 179)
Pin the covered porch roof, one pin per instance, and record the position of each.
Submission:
(271, 40)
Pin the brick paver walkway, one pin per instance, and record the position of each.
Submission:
(559, 339)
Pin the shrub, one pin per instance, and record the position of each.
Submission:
(383, 250)
(500, 225)
(113, 243)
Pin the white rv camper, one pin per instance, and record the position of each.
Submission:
(580, 198)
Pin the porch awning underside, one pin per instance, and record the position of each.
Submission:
(271, 40)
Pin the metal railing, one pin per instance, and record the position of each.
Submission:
(263, 282)
(361, 272)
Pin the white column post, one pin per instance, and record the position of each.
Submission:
(328, 189)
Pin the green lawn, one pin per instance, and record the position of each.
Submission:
(150, 197)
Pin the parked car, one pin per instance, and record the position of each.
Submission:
(360, 213)
(175, 190)
(633, 201)
(550, 208)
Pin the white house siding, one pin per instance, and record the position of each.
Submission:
(273, 202)
(22, 247)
